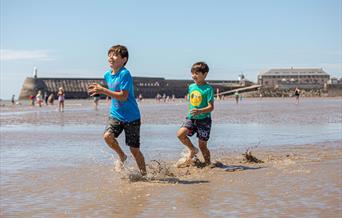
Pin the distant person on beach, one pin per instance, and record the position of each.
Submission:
(13, 100)
(164, 97)
(236, 94)
(96, 101)
(51, 98)
(46, 97)
(297, 93)
(140, 98)
(39, 98)
(124, 113)
(61, 99)
(173, 97)
(198, 120)
(33, 99)
(158, 97)
(218, 94)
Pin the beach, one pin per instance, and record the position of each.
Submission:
(56, 164)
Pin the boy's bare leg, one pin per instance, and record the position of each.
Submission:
(181, 134)
(139, 158)
(111, 142)
(205, 151)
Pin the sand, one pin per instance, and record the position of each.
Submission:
(294, 180)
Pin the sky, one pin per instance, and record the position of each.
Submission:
(70, 38)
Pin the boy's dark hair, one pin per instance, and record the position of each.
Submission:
(201, 67)
(119, 50)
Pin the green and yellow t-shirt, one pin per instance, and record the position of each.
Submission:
(199, 97)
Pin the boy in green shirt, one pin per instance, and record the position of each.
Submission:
(198, 120)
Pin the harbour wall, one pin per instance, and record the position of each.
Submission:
(148, 87)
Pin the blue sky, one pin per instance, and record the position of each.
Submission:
(70, 38)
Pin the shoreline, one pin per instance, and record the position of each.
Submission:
(272, 110)
(177, 99)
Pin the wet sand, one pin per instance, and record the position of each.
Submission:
(303, 181)
(44, 176)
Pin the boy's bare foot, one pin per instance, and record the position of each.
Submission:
(186, 161)
(193, 153)
(120, 164)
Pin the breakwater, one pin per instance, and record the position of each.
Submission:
(148, 87)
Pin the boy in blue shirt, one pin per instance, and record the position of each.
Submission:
(201, 96)
(124, 113)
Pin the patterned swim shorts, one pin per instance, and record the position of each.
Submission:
(200, 127)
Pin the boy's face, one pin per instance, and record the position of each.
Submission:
(198, 77)
(116, 61)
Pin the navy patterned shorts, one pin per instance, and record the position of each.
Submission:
(200, 127)
(132, 130)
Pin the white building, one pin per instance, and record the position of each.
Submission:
(288, 78)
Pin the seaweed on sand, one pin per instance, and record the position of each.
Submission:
(249, 158)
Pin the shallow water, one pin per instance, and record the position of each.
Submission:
(57, 164)
(25, 147)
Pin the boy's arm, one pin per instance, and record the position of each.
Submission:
(95, 89)
(207, 109)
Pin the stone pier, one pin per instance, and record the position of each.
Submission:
(149, 87)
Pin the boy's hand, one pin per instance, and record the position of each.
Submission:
(195, 111)
(95, 89)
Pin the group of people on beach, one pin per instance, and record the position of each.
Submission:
(48, 99)
(124, 114)
(165, 98)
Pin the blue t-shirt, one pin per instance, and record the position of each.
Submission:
(128, 110)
